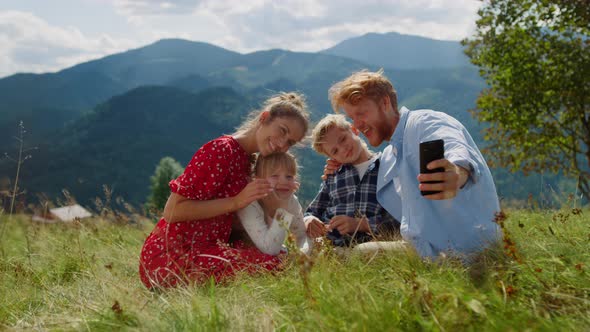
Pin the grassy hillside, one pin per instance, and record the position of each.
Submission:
(83, 276)
(120, 143)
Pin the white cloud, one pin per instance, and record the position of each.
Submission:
(301, 25)
(138, 8)
(30, 44)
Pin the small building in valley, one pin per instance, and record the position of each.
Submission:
(64, 213)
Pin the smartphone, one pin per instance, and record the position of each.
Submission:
(430, 151)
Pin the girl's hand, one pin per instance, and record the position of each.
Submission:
(281, 196)
(272, 202)
(255, 190)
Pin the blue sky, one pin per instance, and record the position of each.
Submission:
(49, 35)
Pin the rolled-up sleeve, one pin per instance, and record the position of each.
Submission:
(457, 149)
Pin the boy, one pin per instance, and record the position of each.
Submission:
(346, 206)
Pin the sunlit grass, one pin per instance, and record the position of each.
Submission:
(84, 276)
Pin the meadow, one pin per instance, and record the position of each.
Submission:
(84, 276)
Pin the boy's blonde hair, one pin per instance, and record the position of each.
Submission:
(360, 85)
(319, 132)
(276, 160)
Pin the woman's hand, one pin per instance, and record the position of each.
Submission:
(330, 168)
(255, 190)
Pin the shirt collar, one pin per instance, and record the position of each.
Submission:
(393, 151)
(374, 163)
(398, 134)
(345, 167)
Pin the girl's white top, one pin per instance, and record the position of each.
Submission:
(270, 238)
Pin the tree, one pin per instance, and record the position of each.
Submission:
(535, 58)
(167, 169)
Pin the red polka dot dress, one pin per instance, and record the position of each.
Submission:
(194, 251)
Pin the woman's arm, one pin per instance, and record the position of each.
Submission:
(179, 208)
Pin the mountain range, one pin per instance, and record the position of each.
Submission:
(394, 50)
(109, 121)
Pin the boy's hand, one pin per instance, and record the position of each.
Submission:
(348, 225)
(330, 168)
(452, 179)
(314, 227)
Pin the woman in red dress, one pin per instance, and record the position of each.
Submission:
(190, 243)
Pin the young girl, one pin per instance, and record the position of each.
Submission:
(267, 220)
(190, 242)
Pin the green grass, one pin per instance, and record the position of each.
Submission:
(84, 276)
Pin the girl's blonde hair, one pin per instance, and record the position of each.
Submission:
(360, 85)
(320, 130)
(277, 160)
(283, 104)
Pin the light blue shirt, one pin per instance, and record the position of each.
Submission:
(461, 225)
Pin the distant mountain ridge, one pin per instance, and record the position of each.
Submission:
(173, 62)
(84, 85)
(87, 84)
(398, 51)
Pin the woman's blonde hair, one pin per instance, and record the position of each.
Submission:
(283, 104)
(360, 85)
(320, 130)
(277, 160)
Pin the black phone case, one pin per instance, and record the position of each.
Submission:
(430, 151)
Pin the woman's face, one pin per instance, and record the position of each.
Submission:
(282, 181)
(278, 134)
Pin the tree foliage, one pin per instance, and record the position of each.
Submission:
(535, 58)
(167, 169)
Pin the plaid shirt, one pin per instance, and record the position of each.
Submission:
(344, 193)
